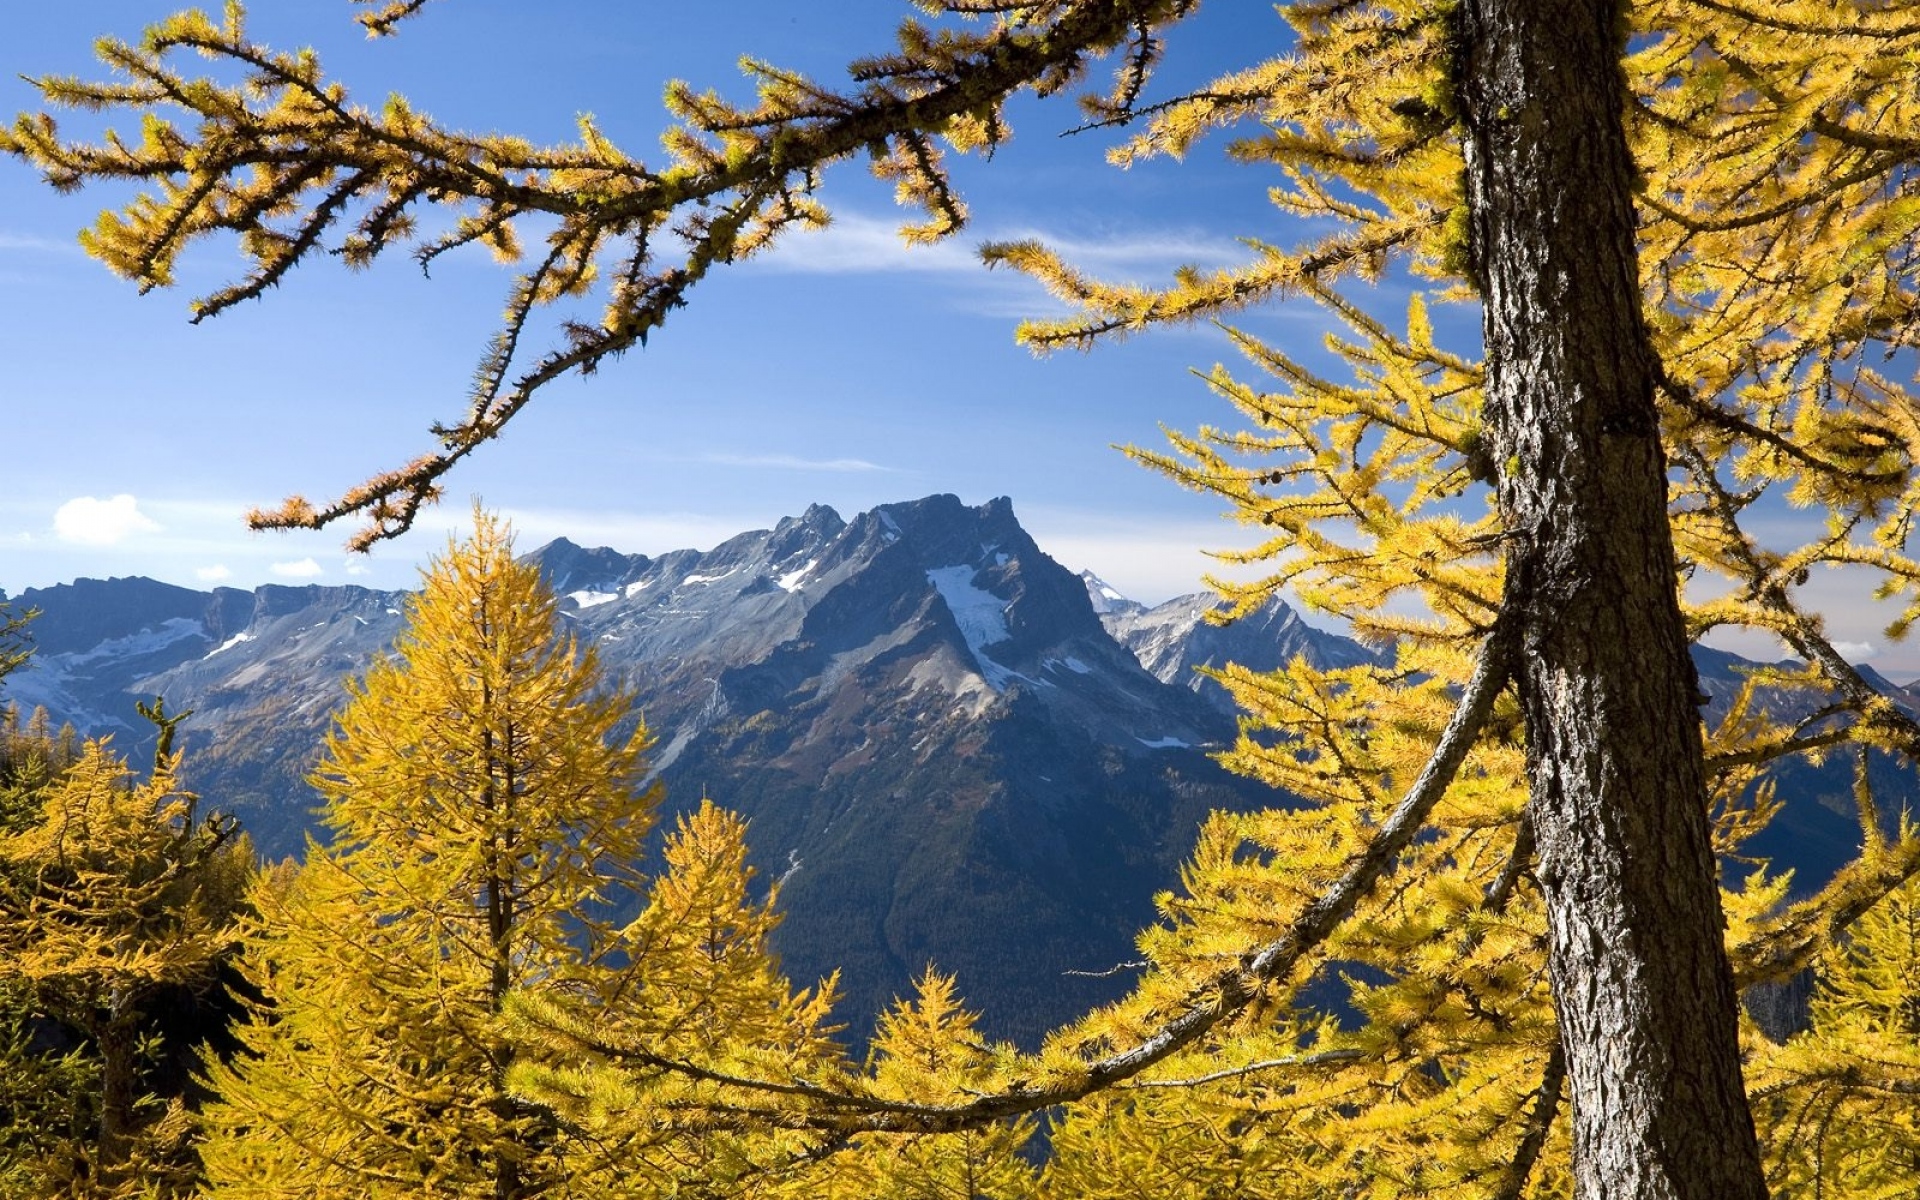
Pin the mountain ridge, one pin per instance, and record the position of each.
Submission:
(945, 756)
(949, 754)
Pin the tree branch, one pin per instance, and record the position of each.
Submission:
(1209, 1004)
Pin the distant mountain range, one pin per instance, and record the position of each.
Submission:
(952, 750)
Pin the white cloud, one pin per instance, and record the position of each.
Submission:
(15, 241)
(793, 462)
(306, 568)
(214, 574)
(1146, 558)
(354, 566)
(857, 242)
(1855, 652)
(90, 521)
(1152, 251)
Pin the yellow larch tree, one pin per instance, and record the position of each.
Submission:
(632, 1063)
(483, 810)
(118, 895)
(1840, 1101)
(926, 1051)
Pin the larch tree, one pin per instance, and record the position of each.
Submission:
(1841, 1100)
(484, 812)
(926, 1051)
(116, 896)
(1688, 226)
(31, 757)
(692, 979)
(16, 641)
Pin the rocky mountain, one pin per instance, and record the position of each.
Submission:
(945, 757)
(1176, 642)
(952, 750)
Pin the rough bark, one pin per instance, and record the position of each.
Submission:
(1637, 959)
(116, 1043)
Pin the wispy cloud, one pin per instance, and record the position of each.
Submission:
(29, 243)
(305, 568)
(91, 521)
(1146, 557)
(216, 573)
(856, 244)
(859, 242)
(793, 462)
(1152, 251)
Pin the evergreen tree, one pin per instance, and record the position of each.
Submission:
(1841, 1101)
(48, 1114)
(30, 760)
(115, 900)
(16, 641)
(628, 1060)
(482, 809)
(925, 1051)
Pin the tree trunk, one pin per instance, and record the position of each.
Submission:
(1641, 985)
(115, 1042)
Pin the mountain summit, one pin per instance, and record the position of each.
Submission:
(952, 750)
(945, 756)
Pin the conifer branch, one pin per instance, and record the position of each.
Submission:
(1711, 414)
(1110, 972)
(1220, 998)
(381, 22)
(1790, 942)
(1887, 721)
(1855, 1076)
(1546, 1104)
(1519, 862)
(1861, 21)
(288, 138)
(1830, 190)
(1318, 1059)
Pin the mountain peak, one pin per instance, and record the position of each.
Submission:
(571, 568)
(1106, 598)
(945, 753)
(1176, 642)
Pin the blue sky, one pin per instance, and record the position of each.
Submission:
(846, 369)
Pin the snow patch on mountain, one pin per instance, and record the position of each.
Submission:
(790, 582)
(56, 680)
(230, 643)
(981, 616)
(145, 642)
(43, 684)
(1104, 597)
(1165, 743)
(588, 599)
